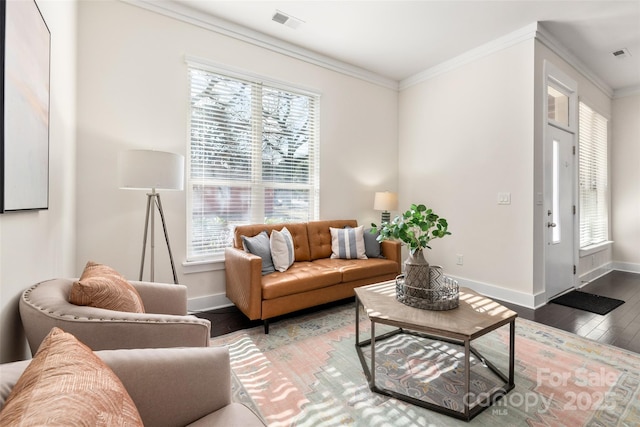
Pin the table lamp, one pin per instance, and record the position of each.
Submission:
(385, 202)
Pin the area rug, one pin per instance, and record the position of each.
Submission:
(588, 302)
(306, 372)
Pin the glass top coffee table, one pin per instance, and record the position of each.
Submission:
(475, 317)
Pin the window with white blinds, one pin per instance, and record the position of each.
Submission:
(253, 158)
(594, 209)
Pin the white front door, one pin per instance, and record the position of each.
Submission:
(559, 208)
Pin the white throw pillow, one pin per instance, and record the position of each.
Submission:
(348, 243)
(282, 252)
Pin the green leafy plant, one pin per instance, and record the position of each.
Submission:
(416, 228)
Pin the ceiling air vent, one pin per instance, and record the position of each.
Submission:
(288, 20)
(621, 53)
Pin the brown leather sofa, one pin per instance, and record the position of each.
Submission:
(313, 279)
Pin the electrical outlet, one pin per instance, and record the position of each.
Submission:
(460, 260)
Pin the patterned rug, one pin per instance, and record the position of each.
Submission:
(306, 372)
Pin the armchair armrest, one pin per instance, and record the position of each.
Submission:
(162, 298)
(46, 305)
(173, 387)
(243, 274)
(391, 250)
(9, 375)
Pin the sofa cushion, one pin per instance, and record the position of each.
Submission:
(301, 277)
(320, 236)
(101, 286)
(259, 245)
(358, 269)
(347, 243)
(282, 251)
(298, 232)
(67, 384)
(234, 414)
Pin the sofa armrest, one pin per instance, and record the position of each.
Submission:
(243, 274)
(391, 250)
(162, 298)
(176, 386)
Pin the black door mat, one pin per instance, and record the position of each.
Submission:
(588, 302)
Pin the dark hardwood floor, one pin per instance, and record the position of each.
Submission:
(620, 327)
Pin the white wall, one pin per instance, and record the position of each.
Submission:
(470, 133)
(133, 93)
(36, 246)
(625, 183)
(465, 136)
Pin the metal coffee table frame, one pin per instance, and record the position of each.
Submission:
(376, 315)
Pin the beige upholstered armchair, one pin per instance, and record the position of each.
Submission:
(170, 387)
(165, 322)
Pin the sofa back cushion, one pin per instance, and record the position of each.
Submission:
(298, 233)
(320, 236)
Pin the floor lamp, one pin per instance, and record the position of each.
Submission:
(152, 170)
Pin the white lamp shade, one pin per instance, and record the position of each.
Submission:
(385, 201)
(150, 169)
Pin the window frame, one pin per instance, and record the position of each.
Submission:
(590, 247)
(198, 260)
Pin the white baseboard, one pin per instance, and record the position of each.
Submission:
(207, 303)
(503, 294)
(629, 267)
(597, 272)
(215, 301)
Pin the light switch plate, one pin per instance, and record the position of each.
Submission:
(504, 198)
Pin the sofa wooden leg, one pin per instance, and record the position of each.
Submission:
(266, 326)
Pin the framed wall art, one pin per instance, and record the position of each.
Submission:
(25, 49)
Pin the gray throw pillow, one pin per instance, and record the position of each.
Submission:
(259, 245)
(371, 245)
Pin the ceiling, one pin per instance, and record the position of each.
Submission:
(398, 39)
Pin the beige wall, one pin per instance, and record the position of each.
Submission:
(40, 245)
(625, 183)
(133, 93)
(465, 136)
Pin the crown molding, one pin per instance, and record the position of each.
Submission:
(627, 91)
(525, 33)
(534, 30)
(182, 13)
(549, 41)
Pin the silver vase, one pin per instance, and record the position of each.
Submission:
(416, 271)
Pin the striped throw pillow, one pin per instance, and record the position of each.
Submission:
(282, 251)
(348, 243)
